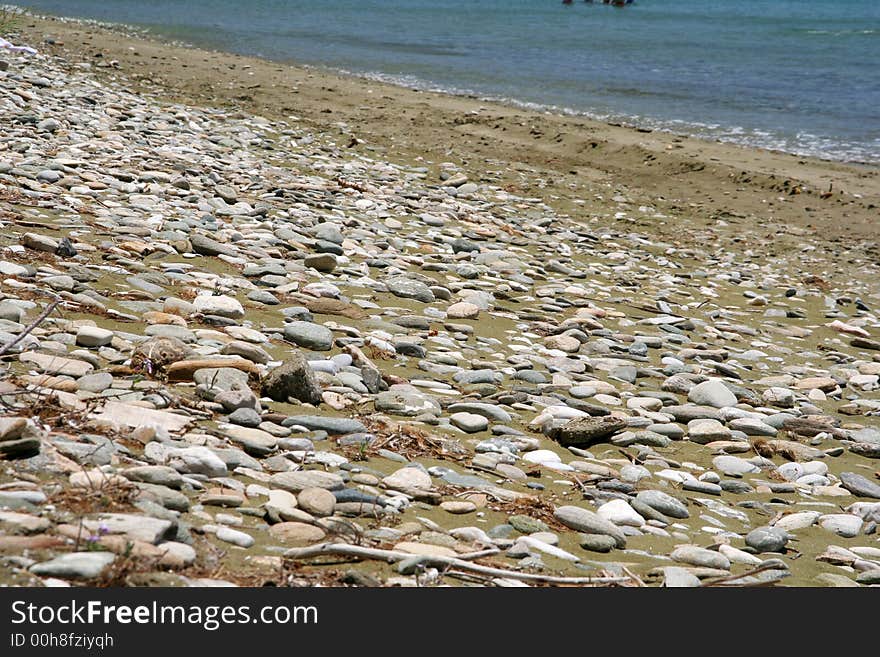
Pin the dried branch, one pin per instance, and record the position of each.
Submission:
(9, 345)
(459, 563)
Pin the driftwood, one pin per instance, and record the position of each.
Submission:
(732, 578)
(462, 563)
(30, 327)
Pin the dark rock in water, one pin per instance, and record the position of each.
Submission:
(294, 379)
(65, 249)
(586, 430)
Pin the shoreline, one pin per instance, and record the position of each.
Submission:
(576, 162)
(620, 119)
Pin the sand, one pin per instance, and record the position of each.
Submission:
(587, 168)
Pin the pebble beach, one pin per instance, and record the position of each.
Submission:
(240, 348)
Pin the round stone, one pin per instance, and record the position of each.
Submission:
(767, 539)
(317, 501)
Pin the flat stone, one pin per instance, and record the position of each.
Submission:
(309, 335)
(254, 441)
(796, 521)
(712, 393)
(469, 422)
(588, 522)
(697, 556)
(56, 364)
(406, 402)
(676, 577)
(527, 525)
(332, 425)
(456, 507)
(196, 460)
(303, 479)
(706, 431)
(597, 542)
(663, 503)
(620, 513)
(75, 565)
(859, 485)
(235, 537)
(92, 336)
(323, 262)
(425, 549)
(161, 475)
(733, 466)
(842, 524)
(133, 526)
(408, 288)
(12, 428)
(296, 533)
(408, 478)
(463, 310)
(124, 416)
(220, 305)
(95, 382)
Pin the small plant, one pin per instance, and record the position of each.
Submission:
(93, 542)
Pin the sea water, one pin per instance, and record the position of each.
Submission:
(802, 76)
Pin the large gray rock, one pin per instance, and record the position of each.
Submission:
(697, 556)
(220, 305)
(663, 503)
(293, 379)
(309, 335)
(332, 425)
(712, 393)
(408, 288)
(588, 522)
(859, 485)
(75, 565)
(134, 526)
(296, 482)
(767, 539)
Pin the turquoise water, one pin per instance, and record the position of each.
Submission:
(801, 76)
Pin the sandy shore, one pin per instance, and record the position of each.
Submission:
(578, 165)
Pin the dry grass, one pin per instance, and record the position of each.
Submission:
(410, 441)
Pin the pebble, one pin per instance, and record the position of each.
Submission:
(767, 539)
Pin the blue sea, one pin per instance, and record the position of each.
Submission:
(802, 76)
